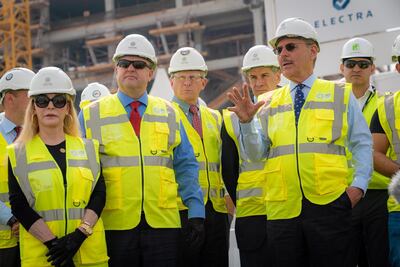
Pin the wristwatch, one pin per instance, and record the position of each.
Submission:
(87, 228)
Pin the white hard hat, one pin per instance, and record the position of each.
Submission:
(16, 79)
(294, 27)
(135, 45)
(187, 58)
(51, 80)
(396, 49)
(94, 91)
(358, 47)
(259, 56)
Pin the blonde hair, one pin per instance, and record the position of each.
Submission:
(31, 124)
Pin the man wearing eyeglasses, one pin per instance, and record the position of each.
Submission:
(305, 130)
(188, 72)
(14, 87)
(370, 245)
(385, 134)
(146, 161)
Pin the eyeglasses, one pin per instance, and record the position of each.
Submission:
(289, 47)
(191, 78)
(137, 64)
(42, 101)
(362, 64)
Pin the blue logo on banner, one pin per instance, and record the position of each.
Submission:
(340, 4)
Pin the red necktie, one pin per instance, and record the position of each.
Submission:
(17, 130)
(135, 117)
(196, 120)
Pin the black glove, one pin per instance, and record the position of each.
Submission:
(51, 243)
(63, 251)
(194, 233)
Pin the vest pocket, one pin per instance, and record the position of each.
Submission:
(112, 179)
(330, 173)
(162, 134)
(168, 190)
(81, 192)
(276, 189)
(251, 189)
(323, 123)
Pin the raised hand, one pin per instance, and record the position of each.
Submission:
(244, 108)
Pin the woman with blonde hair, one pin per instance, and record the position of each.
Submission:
(57, 191)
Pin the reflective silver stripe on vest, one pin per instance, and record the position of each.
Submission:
(202, 165)
(216, 119)
(58, 214)
(252, 192)
(158, 161)
(248, 166)
(322, 148)
(4, 197)
(390, 116)
(280, 109)
(214, 193)
(38, 166)
(119, 161)
(75, 213)
(4, 227)
(213, 167)
(280, 151)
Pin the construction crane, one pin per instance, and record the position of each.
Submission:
(15, 35)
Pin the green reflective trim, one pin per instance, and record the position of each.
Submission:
(4, 197)
(322, 148)
(75, 213)
(21, 171)
(51, 215)
(252, 192)
(390, 116)
(119, 161)
(280, 109)
(213, 166)
(217, 193)
(280, 151)
(248, 166)
(40, 166)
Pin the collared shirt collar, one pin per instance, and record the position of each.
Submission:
(7, 125)
(307, 82)
(127, 100)
(184, 106)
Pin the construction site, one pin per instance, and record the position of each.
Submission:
(80, 36)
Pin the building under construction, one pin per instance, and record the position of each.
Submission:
(80, 36)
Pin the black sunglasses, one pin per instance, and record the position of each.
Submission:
(42, 101)
(137, 64)
(362, 64)
(289, 47)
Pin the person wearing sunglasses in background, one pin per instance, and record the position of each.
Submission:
(305, 130)
(385, 134)
(147, 160)
(14, 87)
(57, 191)
(370, 244)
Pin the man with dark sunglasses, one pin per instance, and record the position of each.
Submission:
(370, 245)
(385, 135)
(306, 128)
(147, 161)
(14, 87)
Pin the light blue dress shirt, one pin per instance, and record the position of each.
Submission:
(185, 108)
(185, 164)
(359, 140)
(8, 132)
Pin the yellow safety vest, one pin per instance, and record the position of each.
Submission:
(389, 117)
(42, 183)
(378, 181)
(208, 155)
(308, 160)
(250, 191)
(138, 173)
(7, 240)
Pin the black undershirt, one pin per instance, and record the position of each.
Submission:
(20, 206)
(376, 126)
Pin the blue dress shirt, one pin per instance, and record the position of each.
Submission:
(185, 108)
(185, 164)
(9, 134)
(359, 140)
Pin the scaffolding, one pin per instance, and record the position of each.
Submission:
(15, 35)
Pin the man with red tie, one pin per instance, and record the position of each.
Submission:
(14, 97)
(188, 72)
(147, 161)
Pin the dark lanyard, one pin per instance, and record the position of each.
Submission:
(371, 94)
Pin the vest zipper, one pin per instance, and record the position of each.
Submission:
(297, 158)
(142, 172)
(208, 175)
(65, 206)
